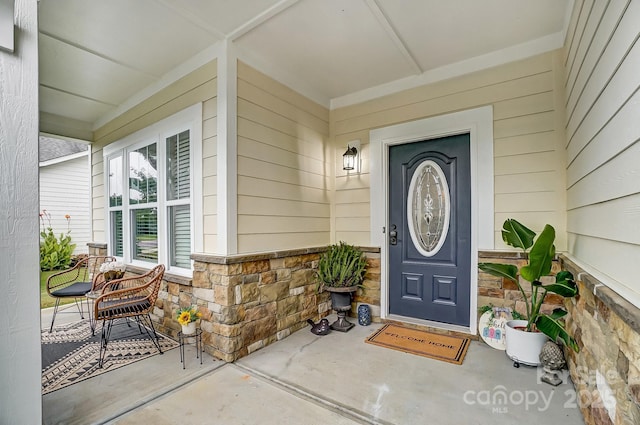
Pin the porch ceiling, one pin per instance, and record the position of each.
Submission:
(98, 55)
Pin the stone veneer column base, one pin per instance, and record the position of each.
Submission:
(251, 301)
(98, 249)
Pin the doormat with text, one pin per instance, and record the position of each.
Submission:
(447, 348)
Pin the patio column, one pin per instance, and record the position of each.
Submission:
(20, 358)
(227, 150)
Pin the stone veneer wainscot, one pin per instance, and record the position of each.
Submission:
(250, 301)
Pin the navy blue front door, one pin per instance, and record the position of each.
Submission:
(430, 230)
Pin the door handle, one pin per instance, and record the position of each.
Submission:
(393, 235)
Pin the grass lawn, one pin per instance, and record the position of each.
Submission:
(45, 299)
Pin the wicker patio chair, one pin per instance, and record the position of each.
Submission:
(129, 298)
(76, 281)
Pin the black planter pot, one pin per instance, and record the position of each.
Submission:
(341, 303)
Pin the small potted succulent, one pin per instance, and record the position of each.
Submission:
(341, 271)
(537, 326)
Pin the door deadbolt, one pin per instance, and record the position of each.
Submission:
(393, 235)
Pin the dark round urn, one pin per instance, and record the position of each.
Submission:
(341, 303)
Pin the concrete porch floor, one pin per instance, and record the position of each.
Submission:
(308, 379)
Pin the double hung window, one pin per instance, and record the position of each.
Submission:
(149, 201)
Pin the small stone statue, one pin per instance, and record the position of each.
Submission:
(552, 359)
(320, 328)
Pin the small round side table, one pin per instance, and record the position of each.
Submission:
(182, 340)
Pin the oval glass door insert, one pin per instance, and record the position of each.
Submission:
(428, 208)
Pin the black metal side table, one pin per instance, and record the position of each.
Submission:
(182, 340)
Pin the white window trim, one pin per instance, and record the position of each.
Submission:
(191, 119)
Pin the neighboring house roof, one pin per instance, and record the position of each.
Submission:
(52, 148)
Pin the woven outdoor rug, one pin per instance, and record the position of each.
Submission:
(70, 354)
(435, 346)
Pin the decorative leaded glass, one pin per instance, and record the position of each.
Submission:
(428, 208)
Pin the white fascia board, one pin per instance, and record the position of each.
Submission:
(490, 60)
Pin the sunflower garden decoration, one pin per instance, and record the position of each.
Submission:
(187, 317)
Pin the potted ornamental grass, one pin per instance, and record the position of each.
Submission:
(525, 338)
(341, 271)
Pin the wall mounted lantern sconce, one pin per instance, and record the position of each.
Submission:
(351, 158)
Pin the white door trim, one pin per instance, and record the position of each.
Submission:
(479, 124)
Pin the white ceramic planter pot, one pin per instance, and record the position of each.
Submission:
(189, 328)
(523, 347)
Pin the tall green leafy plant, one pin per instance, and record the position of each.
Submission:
(342, 265)
(540, 252)
(55, 253)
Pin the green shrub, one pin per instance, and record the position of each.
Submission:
(55, 253)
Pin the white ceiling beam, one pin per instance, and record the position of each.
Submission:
(59, 90)
(383, 19)
(98, 54)
(193, 18)
(260, 19)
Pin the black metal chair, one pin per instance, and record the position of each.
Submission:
(76, 281)
(129, 298)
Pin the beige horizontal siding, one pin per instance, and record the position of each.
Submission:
(258, 224)
(544, 141)
(616, 136)
(454, 101)
(617, 259)
(248, 205)
(271, 189)
(603, 140)
(616, 179)
(279, 156)
(263, 169)
(356, 238)
(284, 182)
(528, 139)
(266, 242)
(618, 212)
